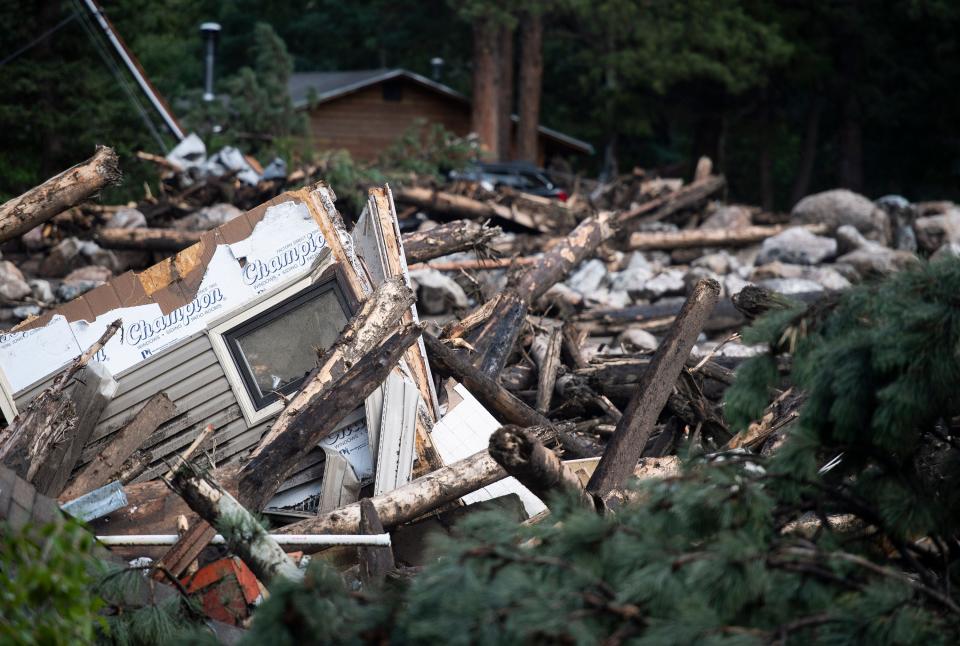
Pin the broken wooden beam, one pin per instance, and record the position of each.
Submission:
(459, 235)
(692, 238)
(59, 193)
(633, 430)
(375, 562)
(683, 198)
(122, 444)
(307, 426)
(463, 206)
(546, 352)
(536, 467)
(245, 535)
(145, 239)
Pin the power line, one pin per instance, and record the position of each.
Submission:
(36, 41)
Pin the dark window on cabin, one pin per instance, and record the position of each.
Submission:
(275, 351)
(392, 90)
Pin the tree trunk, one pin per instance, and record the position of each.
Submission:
(485, 117)
(692, 238)
(766, 155)
(531, 84)
(59, 193)
(505, 138)
(808, 154)
(851, 144)
(459, 235)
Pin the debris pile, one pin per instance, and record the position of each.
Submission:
(351, 385)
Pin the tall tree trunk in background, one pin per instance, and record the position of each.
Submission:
(485, 117)
(51, 143)
(506, 92)
(850, 40)
(851, 143)
(808, 154)
(766, 153)
(531, 85)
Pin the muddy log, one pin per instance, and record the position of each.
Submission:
(536, 467)
(245, 535)
(460, 235)
(633, 430)
(59, 193)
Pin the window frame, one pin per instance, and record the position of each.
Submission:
(270, 301)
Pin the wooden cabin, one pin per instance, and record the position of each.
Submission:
(365, 111)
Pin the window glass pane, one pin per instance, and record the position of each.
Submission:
(283, 351)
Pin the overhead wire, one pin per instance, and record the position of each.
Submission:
(36, 41)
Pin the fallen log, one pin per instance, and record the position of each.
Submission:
(633, 430)
(683, 198)
(59, 193)
(245, 535)
(692, 238)
(460, 235)
(262, 476)
(122, 445)
(146, 239)
(536, 467)
(463, 206)
(478, 264)
(547, 354)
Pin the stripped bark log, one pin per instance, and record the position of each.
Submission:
(463, 206)
(633, 430)
(146, 239)
(245, 535)
(535, 466)
(262, 476)
(546, 352)
(683, 198)
(460, 235)
(59, 193)
(122, 445)
(691, 238)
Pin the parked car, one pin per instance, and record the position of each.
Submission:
(519, 176)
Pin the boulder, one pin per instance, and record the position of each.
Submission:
(13, 287)
(949, 250)
(826, 276)
(934, 231)
(41, 290)
(588, 277)
(797, 245)
(870, 258)
(208, 217)
(72, 253)
(666, 283)
(631, 279)
(839, 207)
(901, 215)
(789, 286)
(93, 273)
(68, 291)
(728, 217)
(127, 218)
(636, 339)
(719, 263)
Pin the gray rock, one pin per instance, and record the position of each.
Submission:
(826, 276)
(588, 277)
(934, 231)
(840, 206)
(901, 214)
(127, 218)
(34, 240)
(630, 279)
(732, 284)
(608, 298)
(26, 311)
(71, 253)
(719, 263)
(13, 287)
(639, 261)
(637, 340)
(667, 283)
(69, 291)
(949, 250)
(797, 245)
(437, 292)
(792, 285)
(869, 258)
(728, 217)
(208, 217)
(696, 274)
(41, 290)
(94, 273)
(829, 277)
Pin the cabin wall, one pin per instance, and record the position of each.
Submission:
(365, 124)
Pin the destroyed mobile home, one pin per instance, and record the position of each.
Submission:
(277, 366)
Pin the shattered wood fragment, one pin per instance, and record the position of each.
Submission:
(546, 351)
(59, 193)
(121, 446)
(319, 416)
(52, 417)
(739, 237)
(178, 559)
(147, 239)
(457, 328)
(634, 428)
(684, 198)
(536, 467)
(460, 235)
(190, 450)
(245, 535)
(375, 562)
